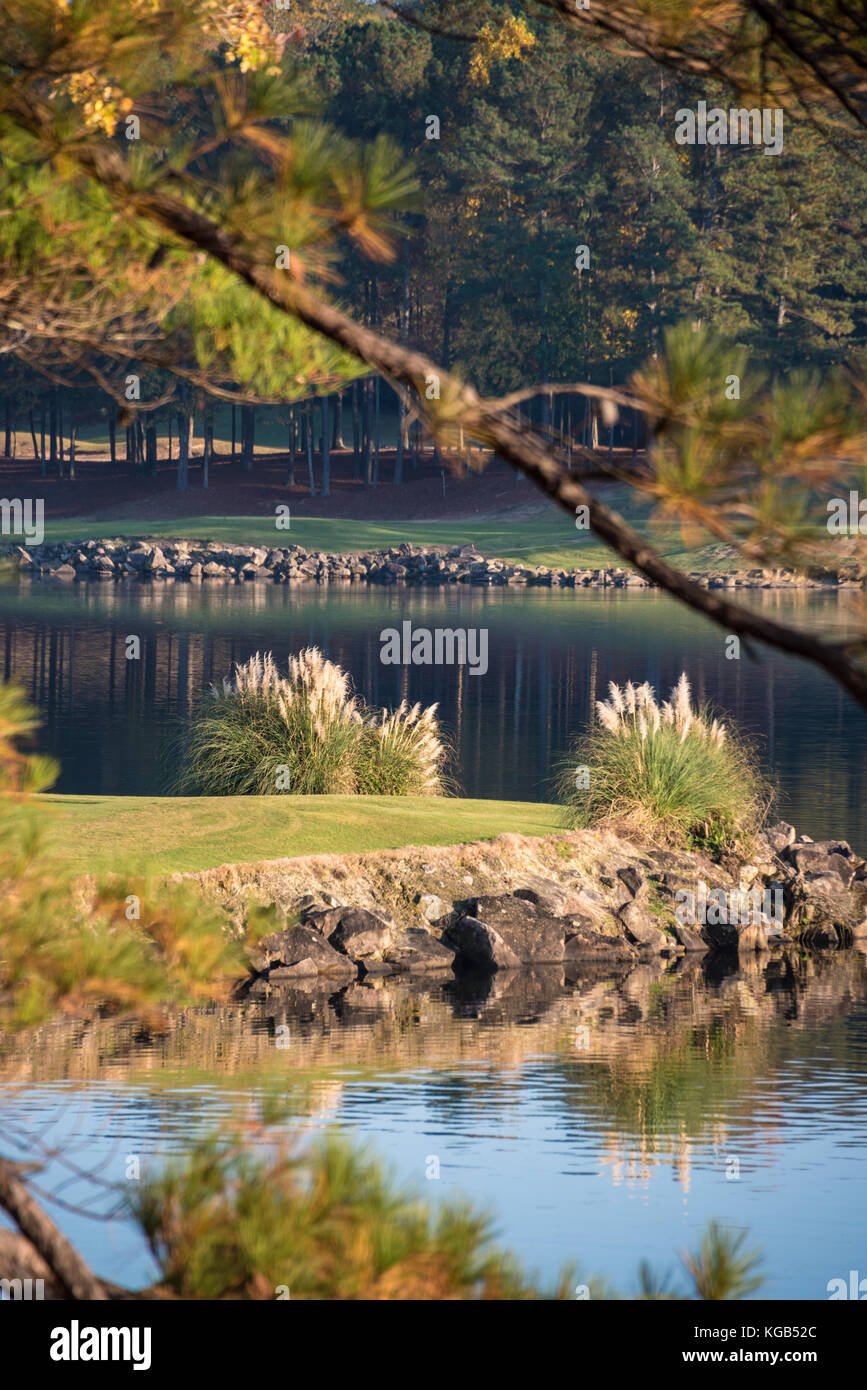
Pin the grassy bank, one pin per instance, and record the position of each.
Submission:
(548, 538)
(100, 834)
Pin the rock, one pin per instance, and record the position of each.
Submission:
(418, 950)
(532, 933)
(548, 895)
(324, 919)
(825, 937)
(632, 879)
(819, 860)
(432, 908)
(689, 940)
(825, 886)
(303, 947)
(752, 938)
(585, 943)
(780, 836)
(304, 967)
(361, 935)
(374, 969)
(640, 928)
(479, 946)
(722, 936)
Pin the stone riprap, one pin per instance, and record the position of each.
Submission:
(584, 896)
(164, 560)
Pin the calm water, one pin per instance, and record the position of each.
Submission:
(599, 1155)
(550, 654)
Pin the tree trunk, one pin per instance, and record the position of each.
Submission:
(59, 439)
(337, 437)
(183, 443)
(398, 452)
(7, 446)
(70, 471)
(326, 451)
(42, 433)
(112, 434)
(356, 433)
(308, 421)
(376, 423)
(234, 433)
(248, 436)
(33, 434)
(208, 441)
(151, 449)
(366, 432)
(416, 432)
(290, 471)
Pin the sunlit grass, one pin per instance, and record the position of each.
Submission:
(162, 834)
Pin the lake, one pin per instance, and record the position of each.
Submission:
(697, 1092)
(109, 720)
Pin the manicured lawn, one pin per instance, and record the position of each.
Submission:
(100, 834)
(548, 538)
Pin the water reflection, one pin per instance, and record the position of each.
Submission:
(551, 653)
(601, 1116)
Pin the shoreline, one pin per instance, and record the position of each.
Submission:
(576, 897)
(162, 559)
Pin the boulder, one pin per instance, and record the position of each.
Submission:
(641, 929)
(547, 894)
(299, 950)
(479, 946)
(632, 879)
(688, 939)
(819, 860)
(324, 919)
(751, 937)
(585, 943)
(813, 904)
(371, 969)
(418, 950)
(361, 935)
(531, 932)
(780, 836)
(722, 936)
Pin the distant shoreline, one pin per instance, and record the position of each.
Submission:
(162, 559)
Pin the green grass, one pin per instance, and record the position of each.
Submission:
(137, 834)
(548, 538)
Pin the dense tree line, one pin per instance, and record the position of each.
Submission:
(559, 228)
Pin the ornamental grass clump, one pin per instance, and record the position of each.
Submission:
(401, 753)
(264, 732)
(664, 766)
